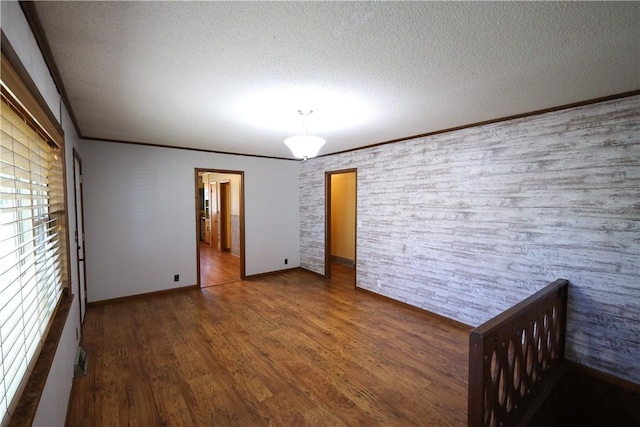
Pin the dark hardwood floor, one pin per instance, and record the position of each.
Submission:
(217, 267)
(289, 349)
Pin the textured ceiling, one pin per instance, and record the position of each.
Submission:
(231, 76)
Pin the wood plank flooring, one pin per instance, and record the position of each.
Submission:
(217, 267)
(289, 349)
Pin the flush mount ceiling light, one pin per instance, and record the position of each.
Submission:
(304, 146)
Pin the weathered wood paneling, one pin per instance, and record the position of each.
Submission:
(465, 224)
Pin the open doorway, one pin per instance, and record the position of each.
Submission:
(219, 226)
(340, 227)
(79, 235)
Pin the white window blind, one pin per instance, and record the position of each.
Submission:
(32, 251)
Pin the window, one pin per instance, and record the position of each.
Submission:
(32, 239)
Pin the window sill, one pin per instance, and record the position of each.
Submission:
(25, 411)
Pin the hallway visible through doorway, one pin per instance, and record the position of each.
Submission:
(219, 217)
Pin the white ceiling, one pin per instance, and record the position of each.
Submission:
(231, 76)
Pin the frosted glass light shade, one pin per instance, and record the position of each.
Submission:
(304, 146)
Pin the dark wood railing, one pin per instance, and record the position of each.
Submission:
(516, 358)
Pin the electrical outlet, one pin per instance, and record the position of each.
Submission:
(176, 277)
(286, 261)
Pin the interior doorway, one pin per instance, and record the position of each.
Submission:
(219, 219)
(340, 225)
(79, 235)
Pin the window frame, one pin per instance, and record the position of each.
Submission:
(30, 103)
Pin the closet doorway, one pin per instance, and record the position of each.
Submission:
(219, 198)
(340, 226)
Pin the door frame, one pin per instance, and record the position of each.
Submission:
(213, 207)
(225, 216)
(243, 273)
(327, 222)
(80, 220)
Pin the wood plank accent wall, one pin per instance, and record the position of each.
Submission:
(468, 223)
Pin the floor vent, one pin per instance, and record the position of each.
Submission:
(80, 365)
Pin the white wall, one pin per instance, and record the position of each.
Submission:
(52, 408)
(141, 221)
(17, 30)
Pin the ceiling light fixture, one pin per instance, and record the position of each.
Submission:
(304, 146)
